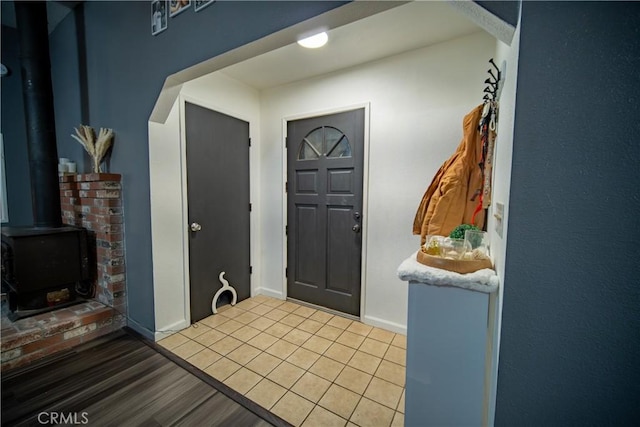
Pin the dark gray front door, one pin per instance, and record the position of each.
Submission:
(324, 210)
(218, 191)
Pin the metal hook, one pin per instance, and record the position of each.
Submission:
(496, 67)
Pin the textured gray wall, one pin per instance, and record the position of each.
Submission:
(15, 134)
(125, 69)
(570, 343)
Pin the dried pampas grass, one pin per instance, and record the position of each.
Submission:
(97, 149)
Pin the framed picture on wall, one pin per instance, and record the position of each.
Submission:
(201, 4)
(158, 16)
(178, 6)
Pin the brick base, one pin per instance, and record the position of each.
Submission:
(33, 338)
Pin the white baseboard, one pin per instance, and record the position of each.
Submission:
(385, 324)
(170, 329)
(157, 335)
(140, 329)
(269, 292)
(369, 320)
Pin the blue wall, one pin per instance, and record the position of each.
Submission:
(507, 10)
(570, 344)
(14, 134)
(125, 69)
(67, 89)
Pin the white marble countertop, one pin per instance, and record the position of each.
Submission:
(484, 280)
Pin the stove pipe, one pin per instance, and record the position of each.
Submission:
(31, 19)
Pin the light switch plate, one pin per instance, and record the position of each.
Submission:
(498, 214)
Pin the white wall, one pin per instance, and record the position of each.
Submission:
(165, 177)
(503, 150)
(168, 207)
(417, 102)
(501, 187)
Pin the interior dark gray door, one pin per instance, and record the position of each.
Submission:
(324, 210)
(218, 190)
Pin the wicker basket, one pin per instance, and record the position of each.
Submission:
(459, 266)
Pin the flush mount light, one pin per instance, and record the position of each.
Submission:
(314, 41)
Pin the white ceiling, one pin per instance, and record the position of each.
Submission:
(401, 29)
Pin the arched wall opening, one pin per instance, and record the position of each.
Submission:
(415, 90)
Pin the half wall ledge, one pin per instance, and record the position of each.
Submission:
(484, 280)
(450, 325)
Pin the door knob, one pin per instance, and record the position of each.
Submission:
(356, 228)
(195, 226)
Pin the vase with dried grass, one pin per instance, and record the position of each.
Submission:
(97, 148)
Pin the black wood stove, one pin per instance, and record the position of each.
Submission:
(43, 267)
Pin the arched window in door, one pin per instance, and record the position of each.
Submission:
(324, 141)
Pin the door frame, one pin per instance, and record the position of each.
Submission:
(365, 191)
(220, 108)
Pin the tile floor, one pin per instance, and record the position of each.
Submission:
(307, 366)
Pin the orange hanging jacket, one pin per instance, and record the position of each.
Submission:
(454, 192)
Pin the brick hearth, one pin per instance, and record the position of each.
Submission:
(33, 338)
(92, 201)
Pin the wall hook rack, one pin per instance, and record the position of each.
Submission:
(493, 82)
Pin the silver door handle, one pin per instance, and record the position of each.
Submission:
(195, 226)
(356, 228)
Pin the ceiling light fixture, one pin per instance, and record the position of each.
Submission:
(314, 41)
